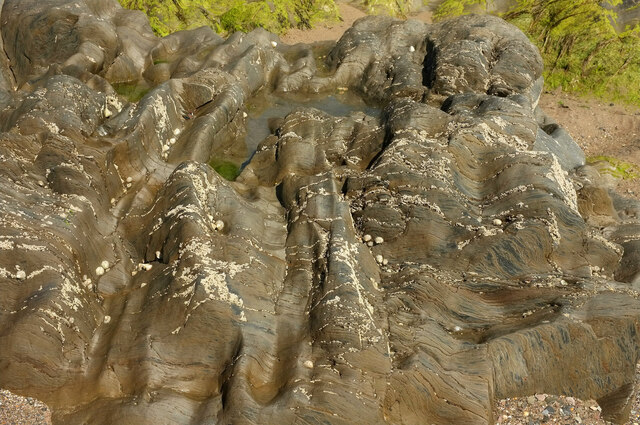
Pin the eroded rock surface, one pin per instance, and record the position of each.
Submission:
(406, 268)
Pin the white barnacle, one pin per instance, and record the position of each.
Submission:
(366, 238)
(21, 275)
(378, 240)
(497, 222)
(370, 243)
(274, 43)
(176, 131)
(99, 270)
(385, 262)
(144, 266)
(412, 49)
(219, 224)
(129, 179)
(107, 319)
(158, 254)
(172, 140)
(308, 364)
(105, 264)
(379, 259)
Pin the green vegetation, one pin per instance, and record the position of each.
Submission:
(233, 15)
(615, 167)
(388, 7)
(131, 91)
(451, 8)
(226, 169)
(581, 49)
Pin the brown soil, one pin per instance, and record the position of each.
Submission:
(601, 129)
(334, 30)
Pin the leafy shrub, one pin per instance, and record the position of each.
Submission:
(167, 16)
(581, 49)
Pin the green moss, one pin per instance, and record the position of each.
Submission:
(450, 8)
(226, 169)
(615, 167)
(131, 91)
(227, 16)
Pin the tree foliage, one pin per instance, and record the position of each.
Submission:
(167, 16)
(582, 51)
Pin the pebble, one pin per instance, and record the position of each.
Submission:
(412, 49)
(274, 44)
(308, 364)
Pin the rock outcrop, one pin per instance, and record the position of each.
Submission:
(405, 268)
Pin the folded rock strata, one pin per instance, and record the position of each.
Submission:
(405, 268)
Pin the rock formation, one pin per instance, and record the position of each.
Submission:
(409, 267)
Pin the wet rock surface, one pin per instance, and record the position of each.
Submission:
(407, 267)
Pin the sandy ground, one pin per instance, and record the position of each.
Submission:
(600, 128)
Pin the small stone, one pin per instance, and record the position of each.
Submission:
(165, 148)
(106, 112)
(308, 364)
(244, 114)
(99, 270)
(21, 274)
(379, 259)
(274, 44)
(497, 222)
(541, 397)
(113, 201)
(40, 183)
(219, 224)
(366, 238)
(107, 319)
(531, 399)
(412, 49)
(105, 264)
(143, 284)
(378, 240)
(158, 254)
(144, 266)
